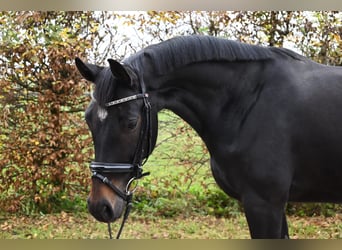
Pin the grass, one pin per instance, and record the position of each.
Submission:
(83, 226)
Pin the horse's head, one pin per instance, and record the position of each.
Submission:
(124, 130)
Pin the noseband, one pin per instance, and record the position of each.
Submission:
(98, 169)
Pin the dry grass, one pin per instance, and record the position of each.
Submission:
(83, 226)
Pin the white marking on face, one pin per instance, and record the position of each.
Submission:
(102, 113)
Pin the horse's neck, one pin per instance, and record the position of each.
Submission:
(204, 94)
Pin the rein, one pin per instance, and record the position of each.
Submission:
(145, 137)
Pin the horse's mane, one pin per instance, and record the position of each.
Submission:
(184, 50)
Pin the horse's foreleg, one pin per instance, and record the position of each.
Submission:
(285, 228)
(265, 220)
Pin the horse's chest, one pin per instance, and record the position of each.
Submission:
(226, 179)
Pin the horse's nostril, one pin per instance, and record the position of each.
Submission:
(107, 212)
(101, 210)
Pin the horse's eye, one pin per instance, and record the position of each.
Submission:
(132, 123)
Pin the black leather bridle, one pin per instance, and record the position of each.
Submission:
(99, 169)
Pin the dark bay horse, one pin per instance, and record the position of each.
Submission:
(270, 118)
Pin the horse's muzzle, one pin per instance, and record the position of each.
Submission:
(104, 211)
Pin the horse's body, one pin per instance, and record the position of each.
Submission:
(271, 120)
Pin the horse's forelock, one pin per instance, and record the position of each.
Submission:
(105, 87)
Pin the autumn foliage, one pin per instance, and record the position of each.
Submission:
(44, 141)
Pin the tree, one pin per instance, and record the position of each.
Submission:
(320, 36)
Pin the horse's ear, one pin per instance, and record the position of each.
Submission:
(87, 70)
(118, 70)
